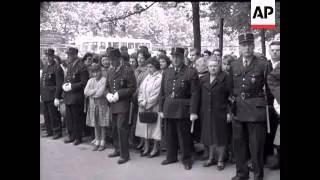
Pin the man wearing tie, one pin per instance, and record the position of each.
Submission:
(249, 125)
(179, 99)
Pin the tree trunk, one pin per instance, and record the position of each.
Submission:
(221, 36)
(196, 25)
(263, 42)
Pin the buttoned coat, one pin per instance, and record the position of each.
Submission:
(179, 93)
(214, 108)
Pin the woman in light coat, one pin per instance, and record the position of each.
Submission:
(148, 99)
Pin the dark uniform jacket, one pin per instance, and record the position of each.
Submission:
(248, 85)
(51, 82)
(274, 82)
(122, 81)
(78, 76)
(179, 93)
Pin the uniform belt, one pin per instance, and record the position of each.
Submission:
(248, 95)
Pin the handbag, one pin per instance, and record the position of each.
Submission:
(148, 117)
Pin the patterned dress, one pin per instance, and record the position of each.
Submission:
(98, 110)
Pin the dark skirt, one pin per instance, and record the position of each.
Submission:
(215, 131)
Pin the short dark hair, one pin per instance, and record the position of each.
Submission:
(208, 52)
(86, 56)
(96, 59)
(133, 56)
(144, 53)
(166, 58)
(153, 60)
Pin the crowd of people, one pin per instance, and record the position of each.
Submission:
(230, 106)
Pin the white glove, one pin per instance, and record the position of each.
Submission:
(229, 117)
(161, 115)
(68, 87)
(64, 86)
(193, 117)
(115, 97)
(56, 102)
(109, 97)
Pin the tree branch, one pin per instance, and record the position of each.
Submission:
(126, 14)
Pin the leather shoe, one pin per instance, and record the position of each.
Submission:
(101, 148)
(187, 166)
(57, 136)
(209, 163)
(220, 166)
(47, 135)
(77, 142)
(165, 162)
(95, 148)
(68, 140)
(145, 153)
(121, 161)
(114, 154)
(152, 155)
(239, 178)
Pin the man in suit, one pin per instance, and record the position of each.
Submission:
(179, 99)
(249, 125)
(73, 87)
(121, 84)
(274, 85)
(50, 94)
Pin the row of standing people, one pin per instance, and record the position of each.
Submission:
(181, 98)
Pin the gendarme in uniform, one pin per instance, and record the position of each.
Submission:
(248, 74)
(75, 82)
(179, 98)
(50, 91)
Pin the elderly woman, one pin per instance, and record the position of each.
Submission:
(148, 100)
(215, 90)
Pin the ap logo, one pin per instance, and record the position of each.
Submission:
(263, 14)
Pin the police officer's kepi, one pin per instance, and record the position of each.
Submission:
(49, 52)
(177, 51)
(246, 38)
(72, 51)
(114, 54)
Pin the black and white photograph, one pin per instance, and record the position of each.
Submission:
(160, 90)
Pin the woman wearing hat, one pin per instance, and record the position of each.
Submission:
(148, 100)
(98, 111)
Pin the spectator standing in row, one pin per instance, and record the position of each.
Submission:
(98, 110)
(148, 100)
